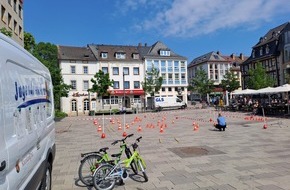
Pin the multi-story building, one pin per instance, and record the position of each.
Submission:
(127, 67)
(78, 65)
(172, 67)
(11, 13)
(215, 65)
(273, 51)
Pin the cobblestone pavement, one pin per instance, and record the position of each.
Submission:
(250, 154)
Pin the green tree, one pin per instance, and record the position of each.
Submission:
(101, 83)
(6, 32)
(29, 42)
(230, 82)
(152, 83)
(258, 78)
(201, 84)
(47, 54)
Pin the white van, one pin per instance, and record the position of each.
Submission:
(169, 103)
(27, 132)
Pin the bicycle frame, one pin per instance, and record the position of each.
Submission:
(136, 156)
(115, 173)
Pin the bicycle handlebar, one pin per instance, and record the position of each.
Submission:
(122, 140)
(135, 145)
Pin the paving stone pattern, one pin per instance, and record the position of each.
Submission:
(245, 157)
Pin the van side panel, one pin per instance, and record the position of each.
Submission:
(3, 149)
(27, 100)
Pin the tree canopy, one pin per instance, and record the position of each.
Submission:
(152, 82)
(201, 84)
(29, 42)
(230, 82)
(258, 78)
(101, 83)
(47, 54)
(6, 32)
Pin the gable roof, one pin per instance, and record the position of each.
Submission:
(74, 53)
(271, 35)
(111, 51)
(208, 57)
(154, 51)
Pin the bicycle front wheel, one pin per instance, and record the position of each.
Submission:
(142, 168)
(102, 180)
(87, 168)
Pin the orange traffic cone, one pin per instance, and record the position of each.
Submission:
(265, 126)
(127, 126)
(210, 120)
(195, 128)
(99, 128)
(119, 127)
(103, 135)
(95, 122)
(124, 134)
(139, 128)
(172, 121)
(161, 129)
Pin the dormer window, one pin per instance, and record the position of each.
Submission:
(104, 55)
(267, 49)
(120, 55)
(135, 55)
(164, 53)
(253, 53)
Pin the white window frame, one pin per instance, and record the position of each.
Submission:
(104, 55)
(164, 53)
(73, 69)
(86, 69)
(120, 55)
(86, 85)
(73, 84)
(73, 105)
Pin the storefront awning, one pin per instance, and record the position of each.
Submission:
(127, 92)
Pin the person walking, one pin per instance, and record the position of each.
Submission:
(221, 123)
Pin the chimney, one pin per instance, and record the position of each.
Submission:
(233, 56)
(218, 52)
(241, 56)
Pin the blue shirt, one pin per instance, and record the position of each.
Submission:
(221, 120)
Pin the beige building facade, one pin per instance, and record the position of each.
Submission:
(11, 18)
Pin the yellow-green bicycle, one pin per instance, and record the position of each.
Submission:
(92, 160)
(107, 174)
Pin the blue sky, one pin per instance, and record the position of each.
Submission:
(190, 28)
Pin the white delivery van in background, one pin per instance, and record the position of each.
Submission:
(169, 103)
(27, 132)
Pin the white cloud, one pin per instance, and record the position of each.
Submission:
(195, 17)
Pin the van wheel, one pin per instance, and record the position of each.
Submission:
(46, 180)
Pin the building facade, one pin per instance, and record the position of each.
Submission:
(78, 65)
(273, 51)
(216, 66)
(172, 67)
(127, 67)
(11, 13)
